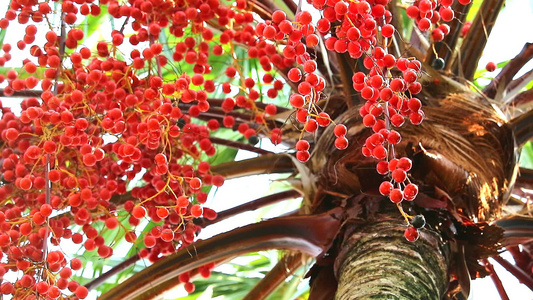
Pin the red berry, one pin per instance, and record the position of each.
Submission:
(42, 287)
(278, 16)
(25, 183)
(394, 137)
(385, 188)
(399, 175)
(404, 163)
(340, 130)
(323, 119)
(416, 117)
(382, 167)
(295, 75)
(491, 67)
(410, 191)
(76, 264)
(302, 145)
(424, 24)
(379, 152)
(411, 234)
(189, 287)
(12, 134)
(396, 195)
(414, 104)
(167, 235)
(387, 30)
(81, 292)
(303, 155)
(311, 125)
(310, 66)
(195, 183)
(369, 120)
(397, 120)
(138, 212)
(196, 211)
(341, 142)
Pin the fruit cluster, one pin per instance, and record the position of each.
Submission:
(389, 87)
(108, 141)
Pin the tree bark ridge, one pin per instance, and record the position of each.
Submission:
(377, 262)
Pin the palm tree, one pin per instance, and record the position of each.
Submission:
(464, 161)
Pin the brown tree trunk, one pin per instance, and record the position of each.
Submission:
(377, 262)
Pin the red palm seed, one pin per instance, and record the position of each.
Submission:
(404, 163)
(278, 16)
(89, 159)
(304, 88)
(369, 120)
(394, 137)
(46, 210)
(138, 212)
(76, 264)
(294, 75)
(323, 119)
(341, 142)
(304, 17)
(396, 195)
(382, 167)
(12, 134)
(196, 211)
(49, 147)
(387, 30)
(399, 175)
(491, 66)
(297, 101)
(340, 130)
(195, 183)
(379, 152)
(81, 292)
(411, 234)
(25, 183)
(162, 212)
(42, 287)
(416, 117)
(53, 292)
(310, 66)
(414, 104)
(189, 287)
(111, 223)
(149, 241)
(303, 155)
(410, 192)
(311, 125)
(167, 235)
(385, 188)
(160, 159)
(397, 120)
(424, 24)
(302, 145)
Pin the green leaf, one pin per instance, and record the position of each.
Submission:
(92, 23)
(22, 72)
(476, 4)
(2, 36)
(526, 156)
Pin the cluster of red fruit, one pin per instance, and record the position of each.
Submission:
(107, 118)
(56, 156)
(428, 14)
(364, 29)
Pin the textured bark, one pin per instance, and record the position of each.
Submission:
(377, 262)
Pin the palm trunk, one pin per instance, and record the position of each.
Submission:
(377, 262)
